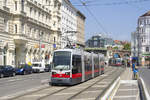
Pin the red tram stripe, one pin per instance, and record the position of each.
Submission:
(61, 76)
(77, 75)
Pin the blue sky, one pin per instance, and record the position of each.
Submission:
(118, 20)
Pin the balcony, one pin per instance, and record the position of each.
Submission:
(6, 8)
(57, 14)
(35, 2)
(38, 23)
(23, 13)
(20, 39)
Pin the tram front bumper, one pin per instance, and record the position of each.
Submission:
(61, 81)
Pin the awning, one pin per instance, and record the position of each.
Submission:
(134, 58)
(146, 54)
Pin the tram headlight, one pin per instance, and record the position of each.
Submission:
(67, 73)
(53, 73)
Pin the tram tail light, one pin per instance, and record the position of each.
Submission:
(67, 73)
(53, 73)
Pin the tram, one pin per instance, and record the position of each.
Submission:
(115, 62)
(72, 66)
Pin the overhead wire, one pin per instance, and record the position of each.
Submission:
(95, 18)
(112, 3)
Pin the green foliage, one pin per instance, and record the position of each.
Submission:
(127, 46)
(115, 48)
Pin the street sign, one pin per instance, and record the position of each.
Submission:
(43, 46)
(54, 45)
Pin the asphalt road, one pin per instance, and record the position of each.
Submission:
(89, 90)
(145, 74)
(11, 85)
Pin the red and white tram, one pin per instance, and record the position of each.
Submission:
(72, 66)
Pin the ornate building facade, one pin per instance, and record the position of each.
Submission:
(29, 29)
(68, 23)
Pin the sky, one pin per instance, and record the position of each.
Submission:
(115, 18)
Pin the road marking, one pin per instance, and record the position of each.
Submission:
(127, 96)
(99, 85)
(128, 90)
(35, 95)
(85, 99)
(91, 91)
(65, 93)
(103, 82)
(129, 82)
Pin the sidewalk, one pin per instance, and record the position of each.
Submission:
(128, 88)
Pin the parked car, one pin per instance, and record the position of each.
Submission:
(47, 67)
(38, 67)
(7, 71)
(24, 69)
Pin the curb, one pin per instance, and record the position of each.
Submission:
(109, 92)
(144, 93)
(19, 94)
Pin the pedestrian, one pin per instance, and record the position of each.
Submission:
(133, 65)
(135, 71)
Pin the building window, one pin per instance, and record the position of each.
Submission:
(95, 43)
(35, 14)
(30, 11)
(5, 25)
(16, 29)
(54, 23)
(15, 5)
(35, 33)
(39, 16)
(54, 39)
(22, 5)
(5, 2)
(95, 38)
(147, 49)
(30, 32)
(22, 25)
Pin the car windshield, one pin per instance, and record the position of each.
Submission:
(47, 65)
(22, 66)
(61, 60)
(35, 65)
(1, 67)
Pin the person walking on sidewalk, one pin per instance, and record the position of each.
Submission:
(135, 71)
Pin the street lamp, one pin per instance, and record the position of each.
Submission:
(66, 37)
(40, 40)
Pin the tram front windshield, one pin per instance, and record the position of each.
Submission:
(61, 60)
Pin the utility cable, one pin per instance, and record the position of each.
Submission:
(96, 20)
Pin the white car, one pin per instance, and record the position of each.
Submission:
(38, 67)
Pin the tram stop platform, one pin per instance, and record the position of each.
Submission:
(128, 88)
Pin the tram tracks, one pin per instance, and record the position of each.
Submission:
(41, 98)
(79, 92)
(49, 91)
(74, 96)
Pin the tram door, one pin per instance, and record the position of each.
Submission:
(76, 68)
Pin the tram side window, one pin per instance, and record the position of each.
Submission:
(96, 62)
(90, 67)
(86, 62)
(76, 63)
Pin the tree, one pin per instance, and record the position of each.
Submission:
(115, 48)
(127, 46)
